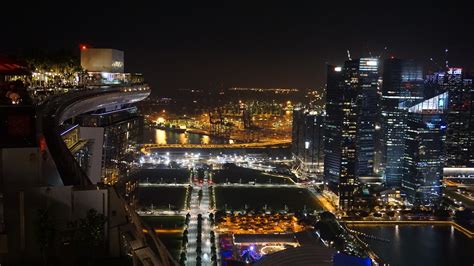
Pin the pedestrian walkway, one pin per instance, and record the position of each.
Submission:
(199, 207)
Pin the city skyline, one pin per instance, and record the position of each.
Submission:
(336, 134)
(245, 45)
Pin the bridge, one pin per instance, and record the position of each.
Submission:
(144, 184)
(254, 145)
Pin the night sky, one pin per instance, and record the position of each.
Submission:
(246, 45)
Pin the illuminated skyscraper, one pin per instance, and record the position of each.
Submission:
(402, 88)
(351, 114)
(460, 134)
(307, 143)
(362, 76)
(425, 150)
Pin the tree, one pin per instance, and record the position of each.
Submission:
(91, 230)
(45, 233)
(200, 195)
(182, 258)
(185, 240)
(198, 250)
(213, 249)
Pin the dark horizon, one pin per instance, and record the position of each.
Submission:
(244, 46)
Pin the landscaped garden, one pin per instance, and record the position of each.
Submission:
(245, 175)
(162, 198)
(262, 198)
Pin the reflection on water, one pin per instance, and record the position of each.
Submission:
(160, 136)
(182, 138)
(420, 245)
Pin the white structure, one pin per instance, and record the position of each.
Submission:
(102, 60)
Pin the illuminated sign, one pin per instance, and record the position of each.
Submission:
(338, 69)
(117, 64)
(371, 63)
(455, 71)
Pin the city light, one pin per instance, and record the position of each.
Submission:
(210, 158)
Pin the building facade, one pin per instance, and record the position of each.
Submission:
(341, 134)
(402, 87)
(352, 112)
(460, 133)
(362, 77)
(425, 150)
(308, 142)
(121, 128)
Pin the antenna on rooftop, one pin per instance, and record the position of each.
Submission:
(383, 52)
(434, 62)
(446, 57)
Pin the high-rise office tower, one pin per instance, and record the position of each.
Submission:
(471, 125)
(425, 150)
(402, 87)
(362, 78)
(307, 142)
(334, 130)
(297, 139)
(351, 114)
(333, 125)
(460, 133)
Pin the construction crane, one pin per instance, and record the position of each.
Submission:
(218, 126)
(252, 132)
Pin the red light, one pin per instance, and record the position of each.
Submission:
(83, 47)
(392, 57)
(42, 144)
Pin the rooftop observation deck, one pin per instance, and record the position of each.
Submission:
(59, 108)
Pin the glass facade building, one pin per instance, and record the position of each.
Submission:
(333, 126)
(352, 104)
(363, 76)
(425, 150)
(460, 132)
(402, 87)
(307, 141)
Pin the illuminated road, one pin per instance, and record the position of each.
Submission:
(460, 197)
(322, 200)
